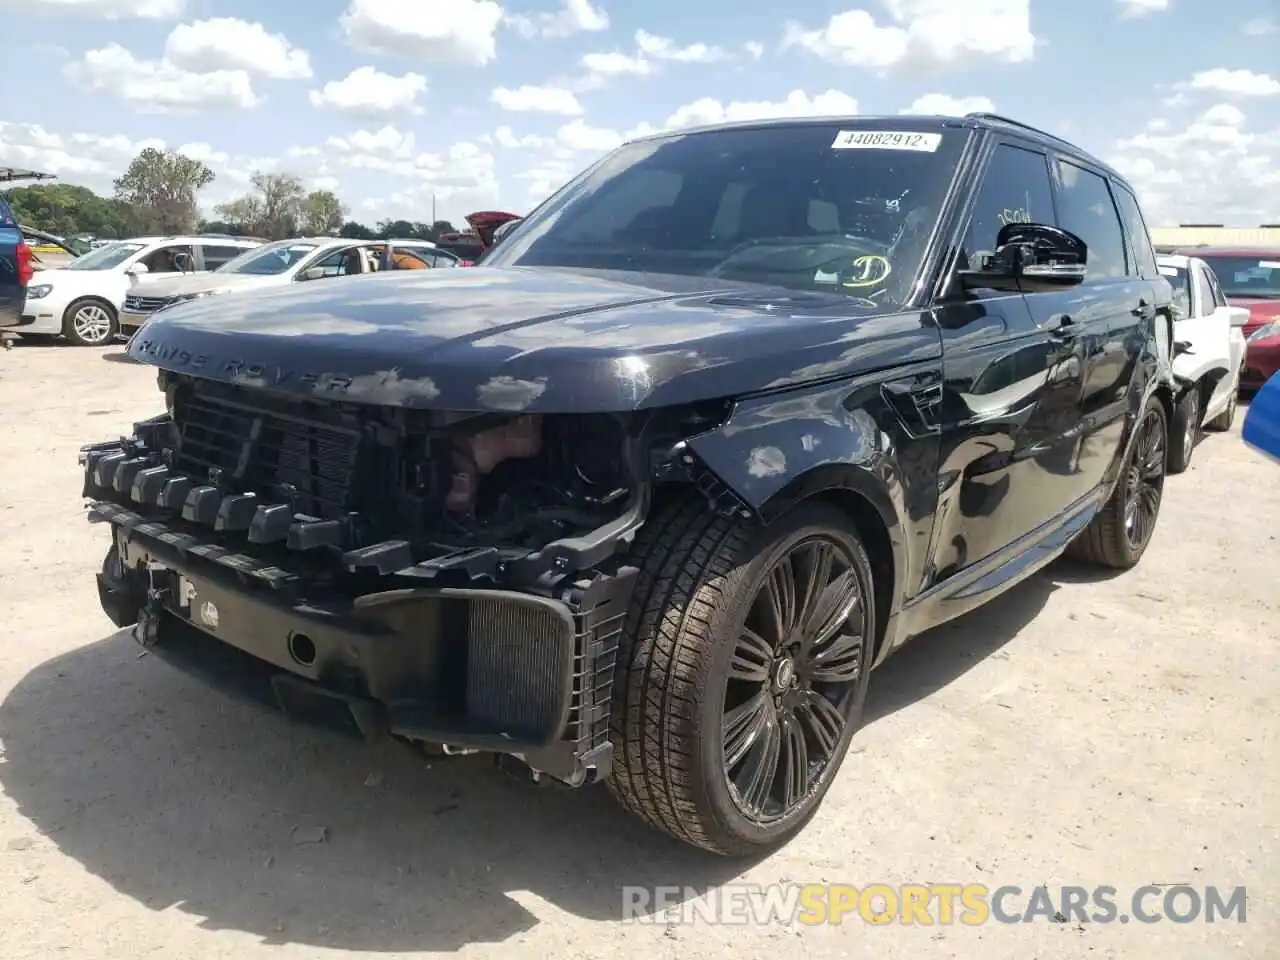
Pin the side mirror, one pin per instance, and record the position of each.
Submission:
(1239, 316)
(138, 269)
(1031, 258)
(312, 273)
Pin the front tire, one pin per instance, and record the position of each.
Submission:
(742, 673)
(90, 322)
(1118, 536)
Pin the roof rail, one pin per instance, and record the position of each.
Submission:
(999, 118)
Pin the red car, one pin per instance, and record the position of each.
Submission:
(1250, 278)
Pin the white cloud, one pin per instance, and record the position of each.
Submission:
(929, 33)
(446, 31)
(1216, 169)
(98, 9)
(663, 48)
(1259, 27)
(574, 16)
(754, 49)
(945, 105)
(227, 43)
(158, 86)
(368, 92)
(1141, 8)
(650, 50)
(506, 138)
(578, 135)
(88, 158)
(795, 104)
(1240, 83)
(616, 64)
(531, 99)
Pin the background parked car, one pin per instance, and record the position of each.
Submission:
(1208, 355)
(281, 263)
(1250, 278)
(82, 300)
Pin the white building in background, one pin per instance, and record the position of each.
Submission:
(1194, 234)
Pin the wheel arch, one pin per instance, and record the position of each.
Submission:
(855, 493)
(90, 298)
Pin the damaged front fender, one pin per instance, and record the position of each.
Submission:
(841, 440)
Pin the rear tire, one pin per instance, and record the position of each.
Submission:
(1184, 430)
(1118, 536)
(723, 738)
(1223, 421)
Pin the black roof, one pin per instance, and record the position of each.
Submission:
(920, 122)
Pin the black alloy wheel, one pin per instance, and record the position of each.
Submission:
(793, 680)
(1144, 480)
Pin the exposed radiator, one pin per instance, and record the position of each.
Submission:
(263, 451)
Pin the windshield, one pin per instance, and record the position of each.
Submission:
(268, 260)
(810, 207)
(1179, 279)
(104, 258)
(1246, 276)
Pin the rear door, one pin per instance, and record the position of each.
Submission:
(1110, 313)
(1012, 383)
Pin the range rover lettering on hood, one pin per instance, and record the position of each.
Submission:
(171, 356)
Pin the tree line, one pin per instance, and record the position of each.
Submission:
(158, 195)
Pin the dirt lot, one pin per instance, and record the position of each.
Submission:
(1079, 731)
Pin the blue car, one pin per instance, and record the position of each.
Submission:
(1262, 423)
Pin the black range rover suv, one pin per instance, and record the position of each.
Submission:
(645, 497)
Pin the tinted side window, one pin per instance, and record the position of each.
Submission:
(215, 257)
(1085, 207)
(1136, 228)
(1015, 189)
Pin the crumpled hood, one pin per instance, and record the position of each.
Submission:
(527, 339)
(202, 281)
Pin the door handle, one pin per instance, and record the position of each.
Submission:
(1065, 329)
(1143, 310)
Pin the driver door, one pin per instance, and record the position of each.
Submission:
(1012, 385)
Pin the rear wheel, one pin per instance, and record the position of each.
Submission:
(1184, 430)
(89, 323)
(1118, 536)
(742, 674)
(1227, 417)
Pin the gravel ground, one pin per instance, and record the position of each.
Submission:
(1080, 730)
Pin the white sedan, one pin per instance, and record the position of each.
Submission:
(1208, 354)
(82, 300)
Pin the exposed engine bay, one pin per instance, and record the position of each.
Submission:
(441, 495)
(461, 478)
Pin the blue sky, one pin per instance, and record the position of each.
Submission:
(485, 104)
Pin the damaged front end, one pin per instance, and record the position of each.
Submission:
(458, 579)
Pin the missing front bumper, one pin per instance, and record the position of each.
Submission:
(504, 671)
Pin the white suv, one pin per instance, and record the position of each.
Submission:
(82, 300)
